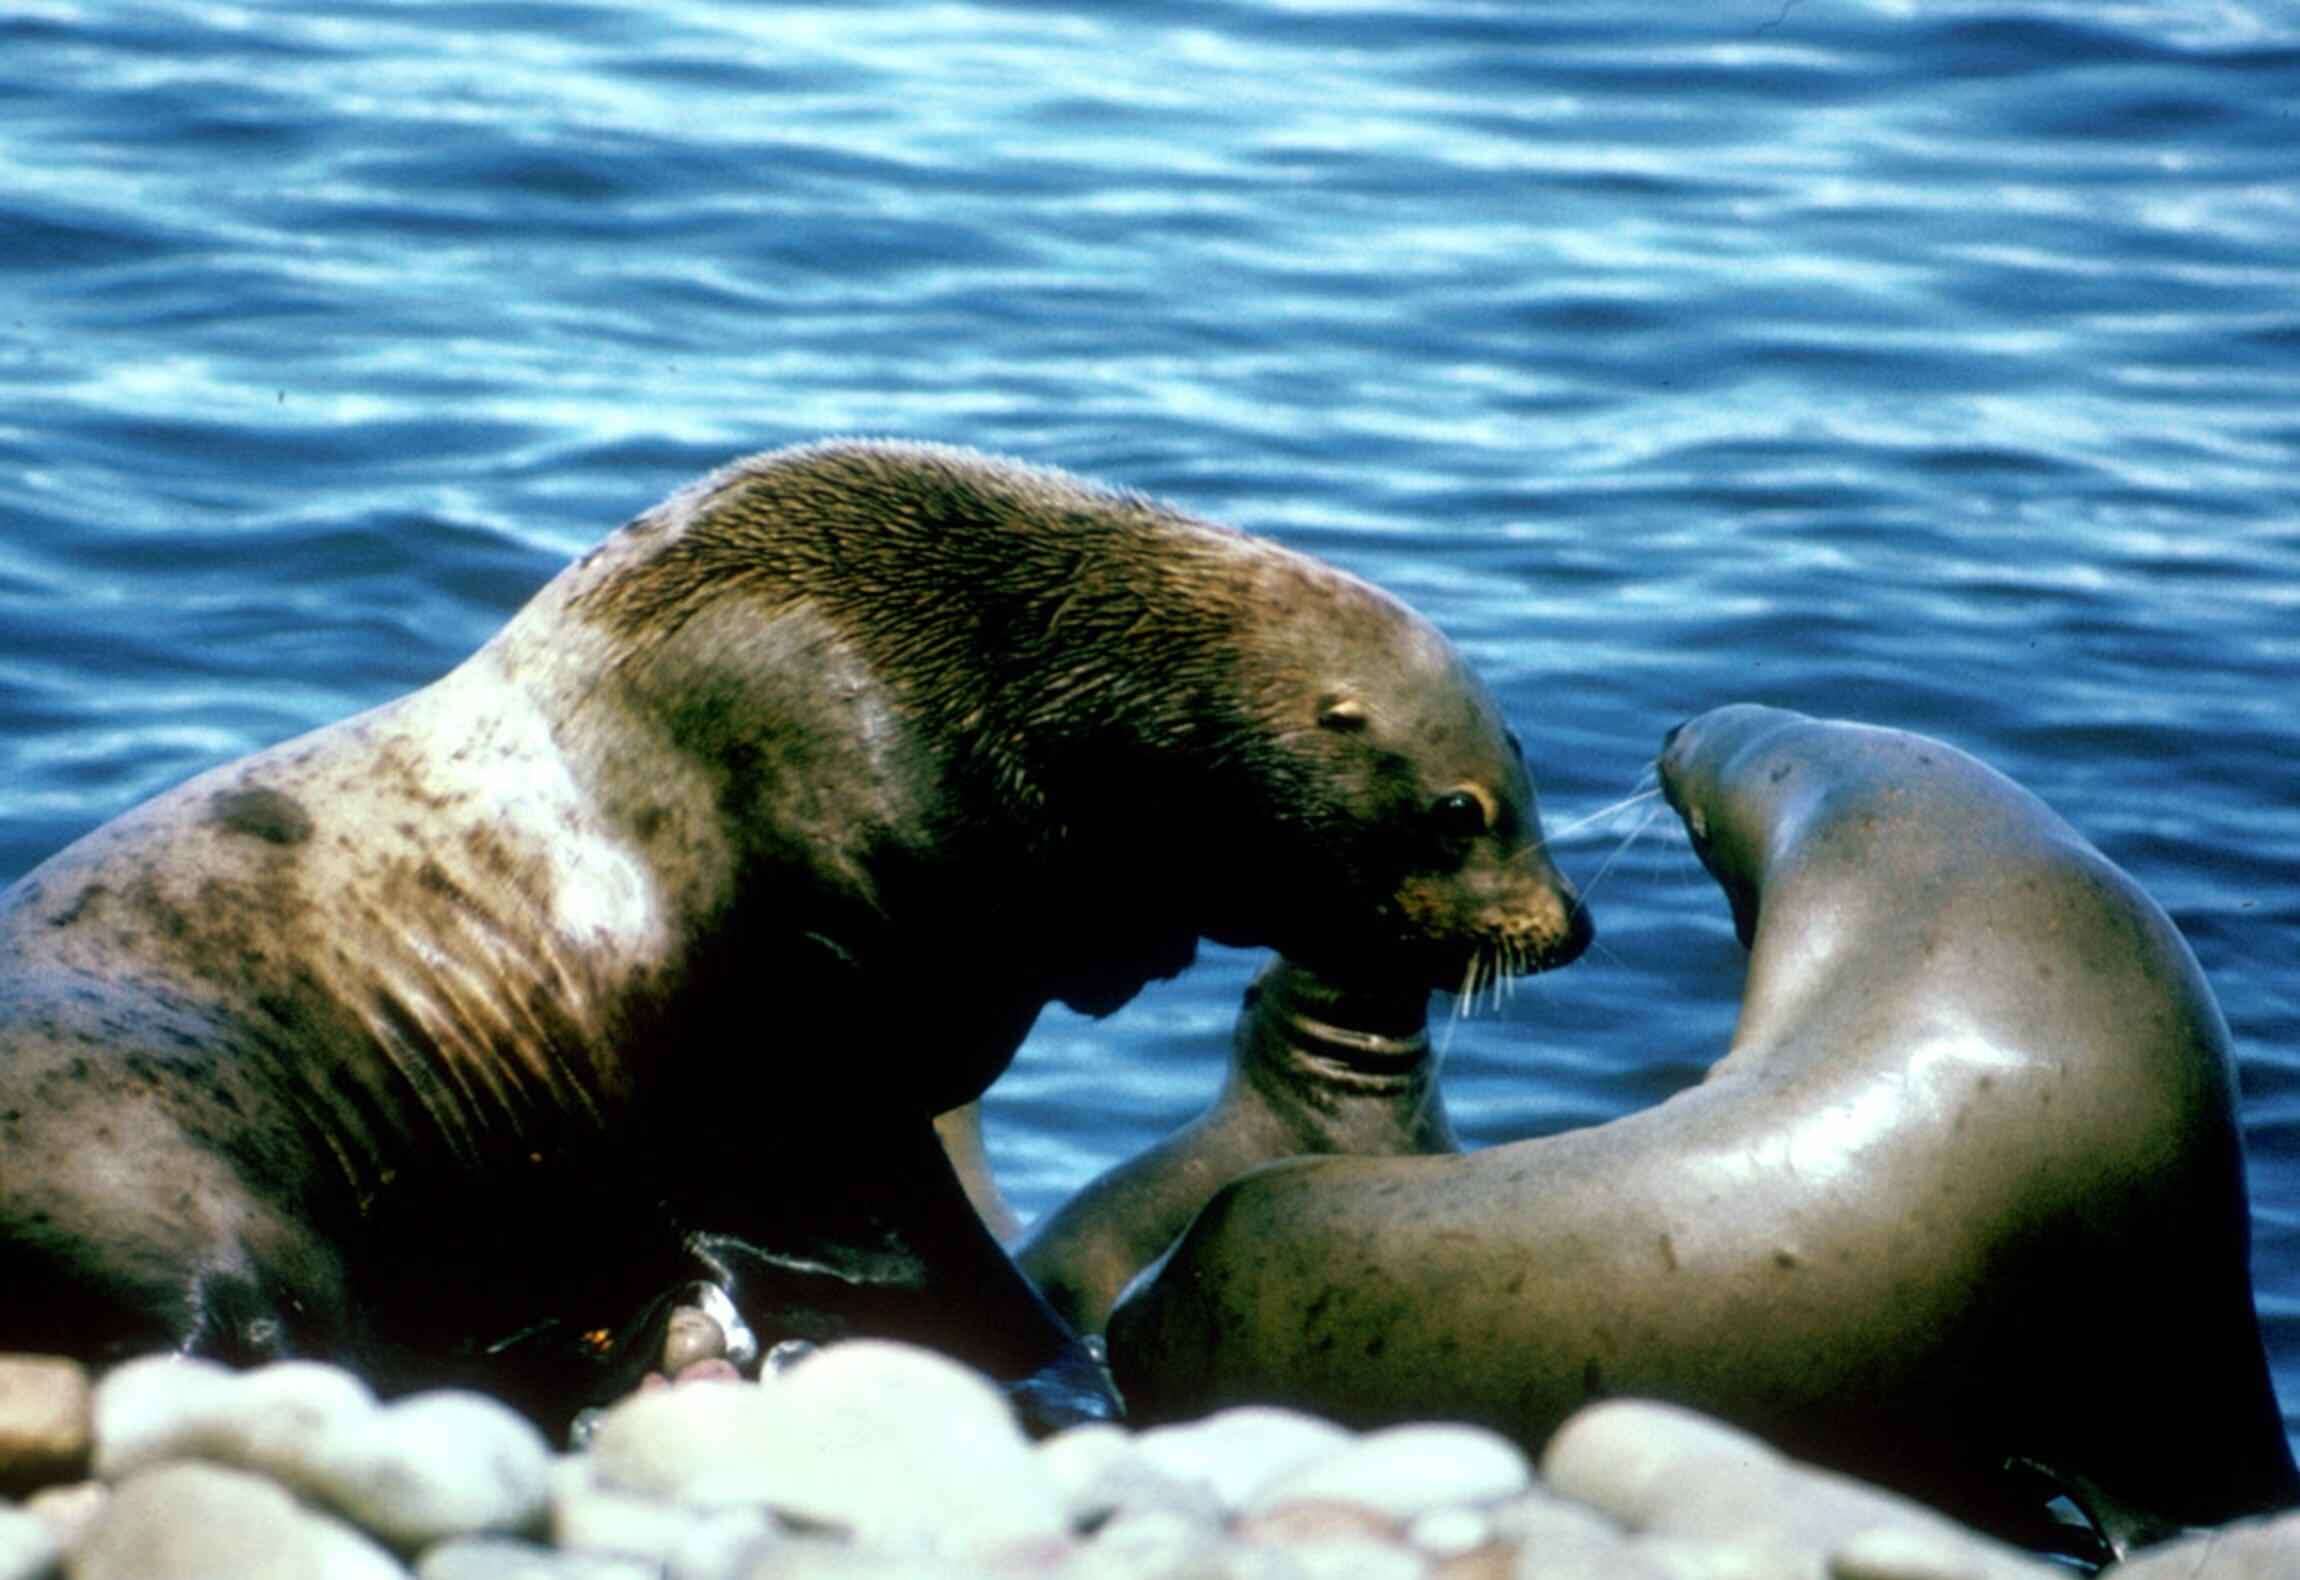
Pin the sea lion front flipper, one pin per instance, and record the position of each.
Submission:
(894, 1250)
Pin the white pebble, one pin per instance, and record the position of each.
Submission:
(508, 1558)
(1357, 1561)
(588, 1515)
(814, 1559)
(907, 1448)
(67, 1510)
(28, 1548)
(192, 1521)
(1632, 1459)
(1449, 1533)
(687, 1445)
(1692, 1487)
(279, 1419)
(158, 1408)
(720, 1543)
(1076, 1458)
(1905, 1552)
(433, 1466)
(1235, 1452)
(898, 1445)
(1098, 1471)
(1403, 1471)
(1557, 1540)
(1162, 1545)
(2264, 1548)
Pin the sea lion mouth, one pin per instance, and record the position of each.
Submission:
(1465, 965)
(1502, 956)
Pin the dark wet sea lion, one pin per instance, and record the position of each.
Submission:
(1967, 1189)
(443, 1039)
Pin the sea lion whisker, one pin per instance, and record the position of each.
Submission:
(1453, 1020)
(1587, 819)
(1620, 850)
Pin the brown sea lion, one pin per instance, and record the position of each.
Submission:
(441, 1040)
(1961, 1210)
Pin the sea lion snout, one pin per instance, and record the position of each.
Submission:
(1495, 918)
(1538, 919)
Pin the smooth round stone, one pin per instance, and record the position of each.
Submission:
(1407, 1470)
(691, 1335)
(433, 1466)
(280, 1419)
(826, 1560)
(1297, 1523)
(192, 1521)
(1234, 1453)
(1077, 1457)
(1160, 1544)
(1557, 1540)
(1449, 1533)
(1098, 1472)
(275, 1419)
(46, 1418)
(508, 1558)
(158, 1408)
(1358, 1560)
(686, 1445)
(590, 1516)
(895, 1444)
(1631, 1459)
(28, 1548)
(721, 1542)
(2258, 1549)
(906, 1448)
(1694, 1486)
(68, 1511)
(1899, 1552)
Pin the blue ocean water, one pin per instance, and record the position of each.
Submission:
(1932, 362)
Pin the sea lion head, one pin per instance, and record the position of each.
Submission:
(1715, 776)
(1129, 727)
(1414, 835)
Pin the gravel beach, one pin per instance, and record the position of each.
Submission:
(870, 1460)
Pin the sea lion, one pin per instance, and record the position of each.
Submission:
(442, 1040)
(1315, 1068)
(1966, 1191)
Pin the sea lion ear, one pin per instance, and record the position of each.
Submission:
(1339, 711)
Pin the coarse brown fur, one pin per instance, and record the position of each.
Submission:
(647, 943)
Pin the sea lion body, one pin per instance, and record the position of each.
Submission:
(1315, 1068)
(445, 1039)
(1966, 1189)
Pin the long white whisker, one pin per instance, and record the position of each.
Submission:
(1643, 823)
(1453, 1021)
(1568, 830)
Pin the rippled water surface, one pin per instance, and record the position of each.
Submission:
(1931, 363)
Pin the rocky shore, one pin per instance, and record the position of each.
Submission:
(872, 1461)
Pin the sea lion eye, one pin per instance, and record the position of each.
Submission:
(1460, 813)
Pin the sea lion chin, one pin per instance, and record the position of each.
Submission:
(645, 946)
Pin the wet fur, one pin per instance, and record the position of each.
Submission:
(646, 944)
